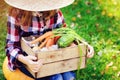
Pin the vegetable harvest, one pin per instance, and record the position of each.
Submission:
(67, 36)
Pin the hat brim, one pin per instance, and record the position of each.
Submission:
(39, 5)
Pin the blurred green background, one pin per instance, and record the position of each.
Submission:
(98, 22)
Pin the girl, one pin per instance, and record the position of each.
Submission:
(34, 18)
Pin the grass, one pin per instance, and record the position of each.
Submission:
(101, 30)
(91, 21)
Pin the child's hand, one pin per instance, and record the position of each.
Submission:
(32, 64)
(90, 51)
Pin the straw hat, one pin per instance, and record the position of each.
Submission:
(39, 5)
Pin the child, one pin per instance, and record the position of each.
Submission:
(32, 17)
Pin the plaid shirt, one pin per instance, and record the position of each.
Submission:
(15, 32)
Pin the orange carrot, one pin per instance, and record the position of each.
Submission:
(42, 37)
(50, 42)
(44, 42)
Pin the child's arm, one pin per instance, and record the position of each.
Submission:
(13, 48)
(60, 19)
(12, 43)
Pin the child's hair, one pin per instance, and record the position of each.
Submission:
(25, 17)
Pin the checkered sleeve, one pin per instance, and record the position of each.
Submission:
(61, 19)
(12, 43)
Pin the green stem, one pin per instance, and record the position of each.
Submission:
(80, 59)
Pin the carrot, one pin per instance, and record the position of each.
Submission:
(47, 34)
(44, 43)
(50, 42)
(56, 39)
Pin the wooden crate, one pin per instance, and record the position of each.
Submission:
(58, 61)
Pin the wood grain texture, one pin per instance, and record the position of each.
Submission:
(59, 61)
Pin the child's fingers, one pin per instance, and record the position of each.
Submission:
(32, 57)
(90, 51)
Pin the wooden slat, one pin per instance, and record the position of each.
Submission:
(62, 54)
(26, 48)
(60, 67)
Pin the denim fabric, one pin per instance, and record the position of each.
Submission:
(56, 77)
(68, 75)
(63, 76)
